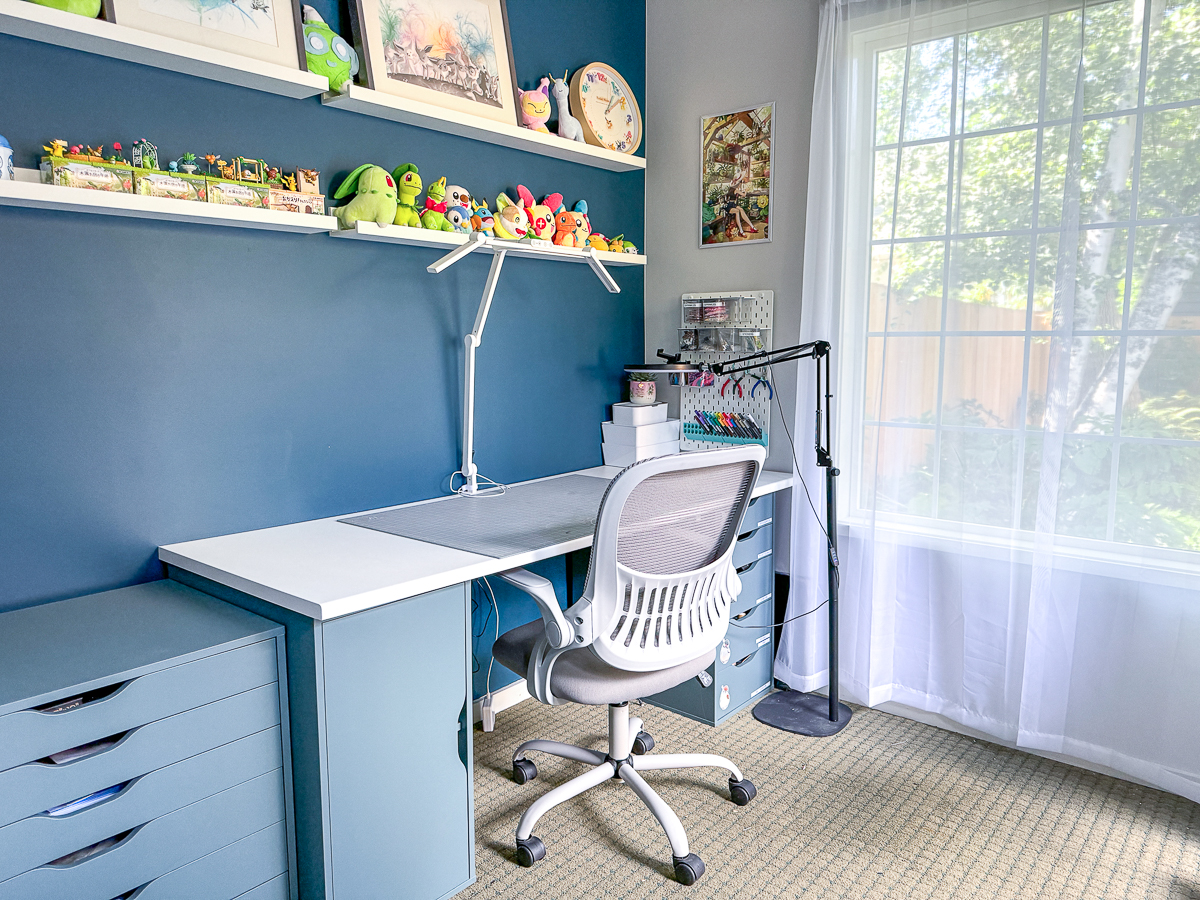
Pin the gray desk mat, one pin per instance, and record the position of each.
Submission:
(524, 518)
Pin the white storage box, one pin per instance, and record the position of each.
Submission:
(640, 435)
(628, 414)
(626, 455)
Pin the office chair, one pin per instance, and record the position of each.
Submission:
(656, 605)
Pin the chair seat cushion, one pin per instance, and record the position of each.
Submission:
(582, 677)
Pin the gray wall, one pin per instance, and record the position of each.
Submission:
(705, 57)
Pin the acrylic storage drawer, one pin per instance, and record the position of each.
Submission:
(140, 730)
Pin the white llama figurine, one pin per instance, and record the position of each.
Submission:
(568, 125)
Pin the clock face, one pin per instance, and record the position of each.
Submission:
(607, 108)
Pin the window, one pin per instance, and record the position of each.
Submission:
(975, 135)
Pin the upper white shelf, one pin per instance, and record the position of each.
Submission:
(424, 115)
(445, 240)
(52, 26)
(27, 191)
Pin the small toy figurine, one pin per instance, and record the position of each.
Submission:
(145, 154)
(541, 215)
(116, 154)
(535, 107)
(7, 172)
(459, 218)
(457, 196)
(571, 227)
(482, 219)
(173, 166)
(55, 148)
(617, 244)
(249, 169)
(375, 197)
(511, 222)
(209, 160)
(568, 125)
(226, 169)
(288, 182)
(308, 181)
(187, 163)
(408, 187)
(327, 53)
(433, 216)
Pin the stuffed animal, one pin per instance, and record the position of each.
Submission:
(541, 215)
(459, 218)
(597, 240)
(535, 106)
(571, 227)
(375, 197)
(512, 222)
(327, 53)
(408, 187)
(457, 196)
(568, 125)
(617, 244)
(481, 218)
(7, 173)
(433, 216)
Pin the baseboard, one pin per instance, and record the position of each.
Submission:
(503, 698)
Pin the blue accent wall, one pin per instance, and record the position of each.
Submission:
(163, 382)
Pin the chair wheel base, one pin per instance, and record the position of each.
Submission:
(742, 792)
(643, 743)
(524, 771)
(688, 869)
(532, 849)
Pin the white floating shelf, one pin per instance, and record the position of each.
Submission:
(52, 26)
(27, 191)
(424, 115)
(444, 240)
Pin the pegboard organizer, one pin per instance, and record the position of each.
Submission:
(738, 311)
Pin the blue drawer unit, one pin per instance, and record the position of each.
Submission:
(143, 749)
(741, 673)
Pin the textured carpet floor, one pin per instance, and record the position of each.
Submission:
(887, 808)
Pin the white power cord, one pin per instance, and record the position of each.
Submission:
(486, 712)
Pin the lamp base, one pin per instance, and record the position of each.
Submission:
(806, 714)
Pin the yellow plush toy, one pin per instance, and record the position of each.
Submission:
(512, 222)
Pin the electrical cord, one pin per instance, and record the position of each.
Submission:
(784, 622)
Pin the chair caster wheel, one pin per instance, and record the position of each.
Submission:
(524, 770)
(688, 869)
(643, 743)
(742, 792)
(532, 849)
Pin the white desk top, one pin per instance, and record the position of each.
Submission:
(326, 568)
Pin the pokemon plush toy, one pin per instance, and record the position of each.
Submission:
(541, 215)
(459, 219)
(568, 125)
(457, 196)
(408, 187)
(375, 197)
(327, 53)
(535, 106)
(482, 218)
(433, 216)
(512, 222)
(571, 227)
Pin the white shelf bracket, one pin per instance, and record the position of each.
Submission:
(593, 260)
(474, 242)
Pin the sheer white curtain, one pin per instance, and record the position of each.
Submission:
(1002, 240)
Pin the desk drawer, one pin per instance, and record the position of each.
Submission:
(745, 683)
(27, 790)
(753, 617)
(37, 840)
(758, 582)
(32, 734)
(753, 545)
(760, 512)
(257, 862)
(158, 846)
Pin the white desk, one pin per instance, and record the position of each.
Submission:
(378, 691)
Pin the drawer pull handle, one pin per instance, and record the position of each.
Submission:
(742, 570)
(70, 704)
(747, 535)
(77, 806)
(93, 850)
(743, 615)
(746, 659)
(83, 751)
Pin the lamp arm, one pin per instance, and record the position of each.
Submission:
(811, 350)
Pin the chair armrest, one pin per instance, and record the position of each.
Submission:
(558, 632)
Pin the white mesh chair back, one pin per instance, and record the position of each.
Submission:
(662, 580)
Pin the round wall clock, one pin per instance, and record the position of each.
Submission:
(606, 107)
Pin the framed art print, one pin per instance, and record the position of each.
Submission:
(269, 30)
(454, 54)
(735, 177)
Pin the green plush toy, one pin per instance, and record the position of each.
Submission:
(433, 216)
(408, 185)
(89, 8)
(375, 197)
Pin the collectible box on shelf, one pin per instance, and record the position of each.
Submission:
(296, 201)
(91, 175)
(238, 193)
(178, 186)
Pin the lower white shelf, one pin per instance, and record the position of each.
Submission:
(445, 240)
(29, 192)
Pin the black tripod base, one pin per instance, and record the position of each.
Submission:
(806, 714)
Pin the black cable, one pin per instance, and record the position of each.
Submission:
(785, 621)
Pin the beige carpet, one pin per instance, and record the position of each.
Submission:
(887, 808)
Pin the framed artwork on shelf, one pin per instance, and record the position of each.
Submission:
(735, 176)
(269, 30)
(455, 54)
